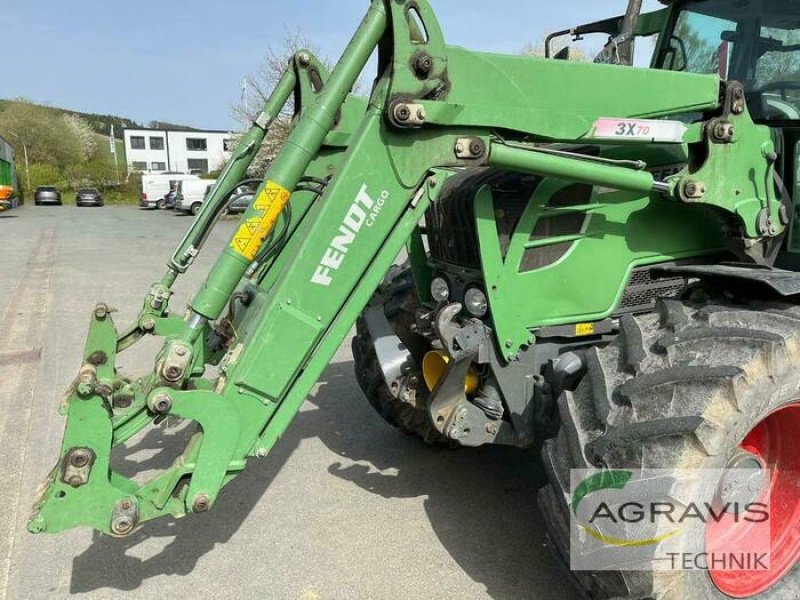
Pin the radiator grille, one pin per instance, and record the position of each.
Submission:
(643, 290)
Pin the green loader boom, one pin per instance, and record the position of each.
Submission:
(349, 191)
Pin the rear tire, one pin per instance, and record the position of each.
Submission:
(398, 296)
(196, 208)
(161, 204)
(678, 388)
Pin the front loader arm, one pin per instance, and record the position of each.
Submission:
(283, 295)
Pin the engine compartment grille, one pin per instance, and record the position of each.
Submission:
(643, 290)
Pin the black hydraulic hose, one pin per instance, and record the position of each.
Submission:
(202, 236)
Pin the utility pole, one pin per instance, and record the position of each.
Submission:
(113, 149)
(27, 168)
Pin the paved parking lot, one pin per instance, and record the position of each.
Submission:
(345, 507)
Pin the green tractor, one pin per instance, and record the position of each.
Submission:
(601, 262)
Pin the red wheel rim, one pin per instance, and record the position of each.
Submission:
(776, 443)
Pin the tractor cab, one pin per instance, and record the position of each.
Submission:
(758, 44)
(755, 42)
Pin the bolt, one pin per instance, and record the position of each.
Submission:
(37, 524)
(173, 373)
(421, 116)
(123, 400)
(101, 311)
(125, 505)
(433, 182)
(509, 343)
(304, 59)
(402, 112)
(261, 453)
(85, 389)
(476, 148)
(423, 65)
(104, 388)
(122, 525)
(691, 189)
(201, 503)
(148, 324)
(180, 351)
(79, 458)
(459, 148)
(162, 403)
(75, 481)
(491, 428)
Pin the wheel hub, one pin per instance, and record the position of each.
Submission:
(745, 480)
(768, 460)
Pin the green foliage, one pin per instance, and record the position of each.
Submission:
(44, 174)
(99, 123)
(62, 148)
(126, 192)
(49, 138)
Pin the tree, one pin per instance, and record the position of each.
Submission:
(49, 138)
(85, 134)
(44, 174)
(259, 88)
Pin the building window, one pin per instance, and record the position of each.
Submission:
(198, 144)
(139, 166)
(229, 145)
(198, 166)
(156, 143)
(158, 166)
(137, 142)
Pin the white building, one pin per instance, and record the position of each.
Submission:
(162, 150)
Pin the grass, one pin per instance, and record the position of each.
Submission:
(117, 198)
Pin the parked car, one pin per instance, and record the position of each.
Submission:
(192, 194)
(47, 194)
(240, 200)
(89, 197)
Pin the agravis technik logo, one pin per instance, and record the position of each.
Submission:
(629, 520)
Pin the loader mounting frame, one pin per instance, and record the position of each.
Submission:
(292, 298)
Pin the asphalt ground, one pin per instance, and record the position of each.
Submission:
(344, 507)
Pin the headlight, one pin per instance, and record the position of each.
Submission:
(440, 291)
(476, 303)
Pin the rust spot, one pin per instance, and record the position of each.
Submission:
(97, 358)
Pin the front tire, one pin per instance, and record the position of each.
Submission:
(681, 388)
(398, 297)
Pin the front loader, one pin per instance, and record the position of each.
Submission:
(593, 257)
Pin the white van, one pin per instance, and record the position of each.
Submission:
(192, 193)
(155, 188)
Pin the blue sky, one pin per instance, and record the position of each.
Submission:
(184, 62)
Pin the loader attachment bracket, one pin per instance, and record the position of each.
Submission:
(104, 411)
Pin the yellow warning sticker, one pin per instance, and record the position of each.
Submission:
(251, 235)
(584, 329)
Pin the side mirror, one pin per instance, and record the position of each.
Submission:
(563, 54)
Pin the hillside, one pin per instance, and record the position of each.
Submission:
(99, 123)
